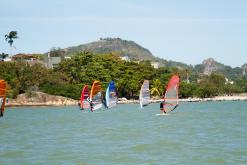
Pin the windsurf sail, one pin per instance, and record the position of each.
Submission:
(111, 95)
(2, 96)
(84, 101)
(144, 96)
(171, 95)
(95, 95)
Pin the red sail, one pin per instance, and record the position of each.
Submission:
(84, 101)
(2, 96)
(171, 95)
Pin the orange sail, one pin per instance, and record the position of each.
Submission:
(2, 96)
(95, 95)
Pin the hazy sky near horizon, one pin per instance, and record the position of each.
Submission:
(186, 31)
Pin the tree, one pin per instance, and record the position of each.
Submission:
(156, 88)
(218, 80)
(186, 89)
(3, 56)
(57, 52)
(10, 38)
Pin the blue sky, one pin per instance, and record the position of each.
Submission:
(187, 31)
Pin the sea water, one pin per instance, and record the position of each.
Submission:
(193, 134)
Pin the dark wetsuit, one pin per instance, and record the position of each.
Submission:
(162, 107)
(91, 105)
(104, 103)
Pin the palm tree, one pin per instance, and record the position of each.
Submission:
(10, 38)
(156, 88)
(3, 56)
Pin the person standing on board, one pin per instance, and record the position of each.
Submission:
(104, 103)
(162, 110)
(91, 105)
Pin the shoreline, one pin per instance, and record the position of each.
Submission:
(62, 101)
(216, 98)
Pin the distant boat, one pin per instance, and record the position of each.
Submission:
(84, 101)
(111, 95)
(2, 96)
(95, 95)
(171, 95)
(144, 96)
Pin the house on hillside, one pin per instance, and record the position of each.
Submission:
(244, 67)
(228, 81)
(125, 58)
(28, 58)
(156, 65)
(52, 62)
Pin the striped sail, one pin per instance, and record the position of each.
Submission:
(144, 96)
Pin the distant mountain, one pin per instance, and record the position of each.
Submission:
(123, 48)
(108, 45)
(209, 66)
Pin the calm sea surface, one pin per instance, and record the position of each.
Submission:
(194, 134)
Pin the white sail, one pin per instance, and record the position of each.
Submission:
(144, 96)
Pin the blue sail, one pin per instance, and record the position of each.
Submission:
(111, 95)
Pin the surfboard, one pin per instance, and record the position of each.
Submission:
(160, 114)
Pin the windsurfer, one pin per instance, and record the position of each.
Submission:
(104, 103)
(91, 105)
(162, 110)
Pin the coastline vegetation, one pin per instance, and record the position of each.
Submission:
(68, 78)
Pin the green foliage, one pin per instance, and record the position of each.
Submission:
(86, 67)
(218, 81)
(242, 84)
(157, 88)
(83, 68)
(206, 89)
(186, 89)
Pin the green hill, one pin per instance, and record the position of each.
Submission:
(117, 45)
(123, 48)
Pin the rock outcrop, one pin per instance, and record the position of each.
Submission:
(40, 99)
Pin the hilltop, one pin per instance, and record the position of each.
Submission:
(123, 48)
(209, 66)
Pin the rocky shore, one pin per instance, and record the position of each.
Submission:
(43, 99)
(40, 99)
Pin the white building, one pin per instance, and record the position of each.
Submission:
(125, 58)
(155, 64)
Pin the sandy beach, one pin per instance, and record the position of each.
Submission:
(240, 97)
